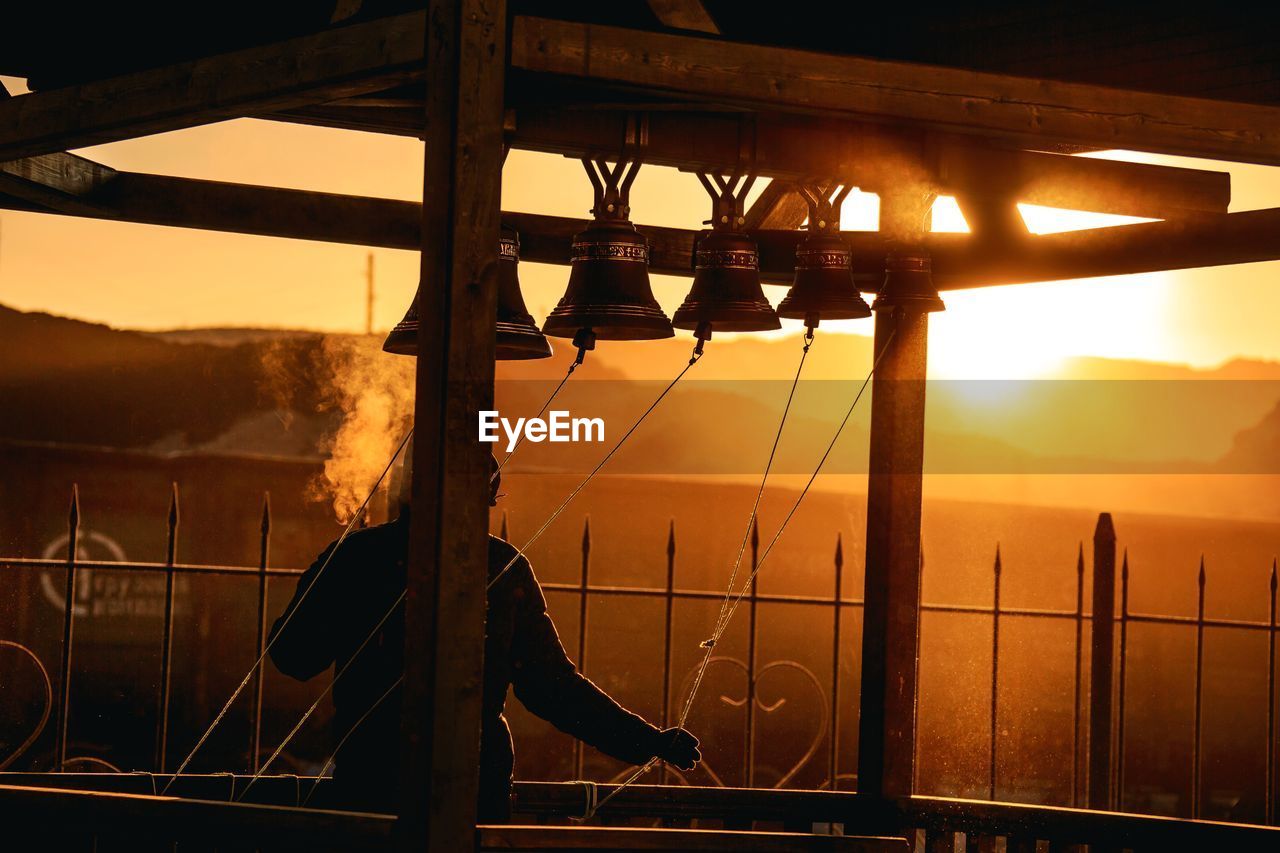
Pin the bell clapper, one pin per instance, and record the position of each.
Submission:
(585, 341)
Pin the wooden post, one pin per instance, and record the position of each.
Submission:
(886, 726)
(448, 541)
(1104, 606)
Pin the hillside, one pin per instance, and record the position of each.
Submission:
(338, 398)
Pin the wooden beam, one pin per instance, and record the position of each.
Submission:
(449, 527)
(609, 839)
(878, 158)
(778, 206)
(83, 188)
(891, 613)
(684, 15)
(337, 63)
(1027, 111)
(57, 182)
(795, 148)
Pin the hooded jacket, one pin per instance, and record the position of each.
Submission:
(333, 612)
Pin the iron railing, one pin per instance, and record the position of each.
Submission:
(751, 666)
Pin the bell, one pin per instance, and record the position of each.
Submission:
(824, 288)
(517, 335)
(608, 293)
(908, 283)
(726, 295)
(403, 339)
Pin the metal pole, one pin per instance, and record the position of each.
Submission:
(166, 634)
(584, 582)
(833, 768)
(1124, 654)
(68, 627)
(1075, 708)
(995, 672)
(1199, 713)
(749, 752)
(668, 624)
(264, 551)
(1100, 671)
(1271, 703)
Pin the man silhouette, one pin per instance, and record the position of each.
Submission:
(333, 612)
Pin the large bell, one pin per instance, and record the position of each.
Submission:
(517, 334)
(726, 295)
(403, 339)
(824, 288)
(608, 293)
(908, 283)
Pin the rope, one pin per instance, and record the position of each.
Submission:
(693, 359)
(327, 690)
(520, 440)
(721, 617)
(359, 513)
(723, 624)
(333, 756)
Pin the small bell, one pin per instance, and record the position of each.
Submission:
(608, 296)
(517, 335)
(824, 288)
(403, 339)
(726, 295)
(908, 283)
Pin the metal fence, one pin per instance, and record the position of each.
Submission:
(1098, 773)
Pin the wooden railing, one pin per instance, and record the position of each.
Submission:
(936, 822)
(118, 810)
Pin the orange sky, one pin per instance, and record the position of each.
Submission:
(152, 277)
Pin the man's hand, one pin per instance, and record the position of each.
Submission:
(678, 748)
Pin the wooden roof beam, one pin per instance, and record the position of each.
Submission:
(338, 63)
(867, 155)
(878, 158)
(960, 260)
(1024, 110)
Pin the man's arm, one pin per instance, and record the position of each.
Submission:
(302, 641)
(548, 684)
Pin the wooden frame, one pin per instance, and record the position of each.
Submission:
(75, 186)
(1022, 110)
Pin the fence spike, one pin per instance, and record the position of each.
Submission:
(755, 532)
(1273, 574)
(586, 534)
(839, 551)
(173, 504)
(73, 513)
(671, 538)
(1201, 578)
(503, 532)
(998, 565)
(266, 513)
(171, 540)
(1080, 559)
(1124, 566)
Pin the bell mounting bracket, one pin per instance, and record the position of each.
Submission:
(612, 186)
(824, 202)
(728, 197)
